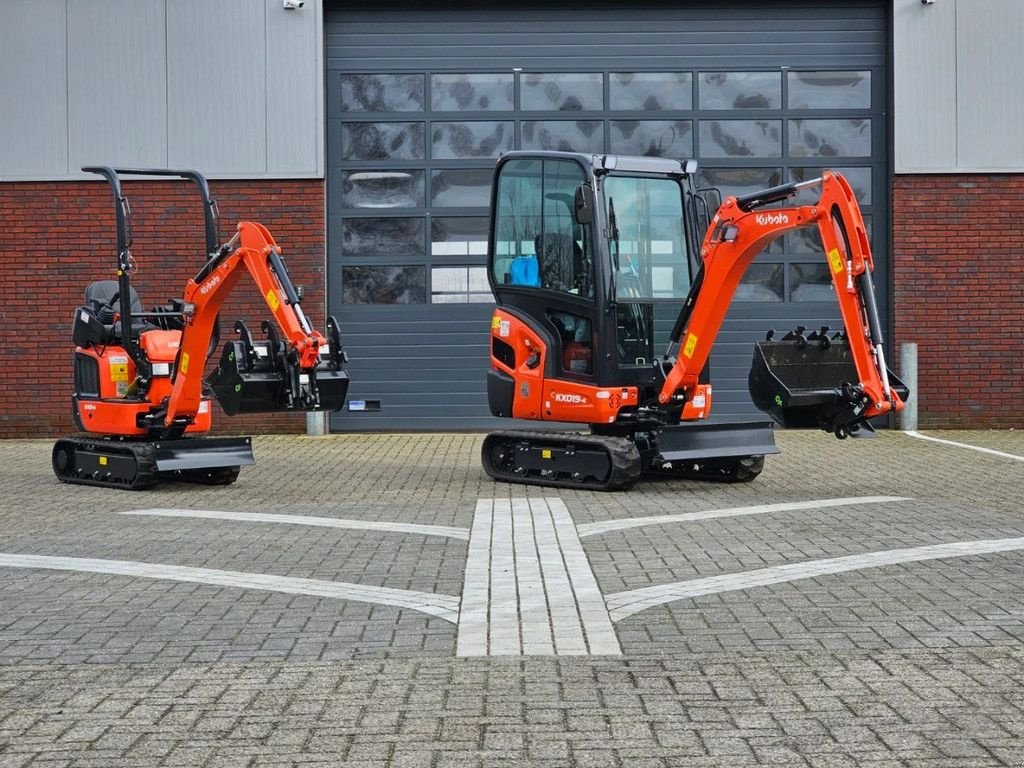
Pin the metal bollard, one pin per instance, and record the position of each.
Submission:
(908, 372)
(316, 423)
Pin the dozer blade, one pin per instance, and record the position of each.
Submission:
(262, 382)
(696, 442)
(202, 453)
(809, 384)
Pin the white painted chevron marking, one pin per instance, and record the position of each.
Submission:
(442, 606)
(623, 604)
(605, 526)
(320, 522)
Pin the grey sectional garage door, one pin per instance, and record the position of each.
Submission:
(422, 99)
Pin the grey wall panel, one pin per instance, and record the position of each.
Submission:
(925, 95)
(117, 88)
(990, 85)
(233, 88)
(295, 125)
(33, 89)
(216, 92)
(959, 95)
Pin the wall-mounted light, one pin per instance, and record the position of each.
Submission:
(291, 5)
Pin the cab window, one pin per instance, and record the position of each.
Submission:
(537, 242)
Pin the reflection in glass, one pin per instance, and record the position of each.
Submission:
(829, 90)
(810, 282)
(740, 181)
(808, 240)
(477, 92)
(651, 91)
(740, 90)
(382, 189)
(458, 236)
(859, 178)
(762, 282)
(382, 237)
(463, 188)
(562, 92)
(382, 141)
(384, 285)
(740, 138)
(652, 138)
(452, 141)
(382, 93)
(830, 138)
(564, 135)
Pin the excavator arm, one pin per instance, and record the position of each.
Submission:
(740, 230)
(290, 365)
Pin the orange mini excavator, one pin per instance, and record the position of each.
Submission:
(588, 254)
(139, 389)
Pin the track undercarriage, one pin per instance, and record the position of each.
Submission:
(138, 465)
(602, 462)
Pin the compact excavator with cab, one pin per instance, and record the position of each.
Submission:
(139, 389)
(585, 248)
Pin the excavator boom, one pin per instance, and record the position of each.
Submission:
(833, 382)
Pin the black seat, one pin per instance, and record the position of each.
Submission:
(94, 323)
(102, 291)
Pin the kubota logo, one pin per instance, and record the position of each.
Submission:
(209, 285)
(772, 218)
(571, 399)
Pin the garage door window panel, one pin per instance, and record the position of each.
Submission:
(762, 282)
(810, 282)
(652, 138)
(383, 141)
(650, 91)
(382, 93)
(564, 135)
(384, 284)
(740, 90)
(472, 93)
(830, 138)
(382, 237)
(460, 188)
(829, 90)
(562, 92)
(740, 138)
(382, 189)
(458, 236)
(471, 140)
(859, 178)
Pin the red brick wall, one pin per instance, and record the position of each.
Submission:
(958, 256)
(59, 236)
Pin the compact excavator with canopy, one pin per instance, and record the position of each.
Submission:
(582, 249)
(140, 395)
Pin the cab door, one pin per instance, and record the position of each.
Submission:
(542, 274)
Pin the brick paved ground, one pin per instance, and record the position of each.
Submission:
(916, 664)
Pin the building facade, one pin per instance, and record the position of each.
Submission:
(364, 138)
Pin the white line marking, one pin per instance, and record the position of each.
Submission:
(529, 588)
(623, 604)
(601, 637)
(442, 606)
(321, 522)
(991, 451)
(593, 529)
(472, 637)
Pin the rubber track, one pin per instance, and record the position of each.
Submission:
(623, 453)
(146, 475)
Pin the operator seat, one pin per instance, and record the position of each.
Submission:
(94, 321)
